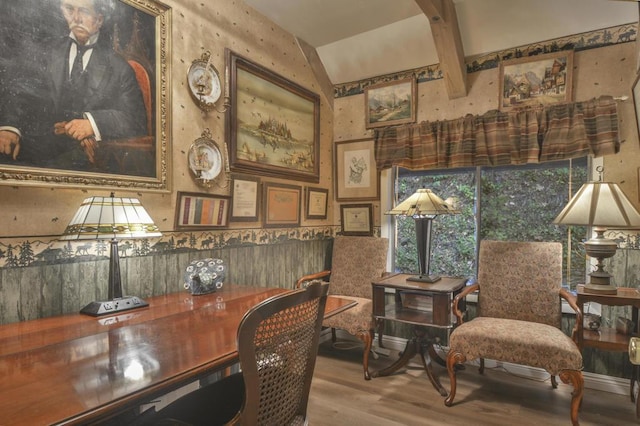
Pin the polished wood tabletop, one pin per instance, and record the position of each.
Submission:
(77, 369)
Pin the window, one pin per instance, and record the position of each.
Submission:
(517, 203)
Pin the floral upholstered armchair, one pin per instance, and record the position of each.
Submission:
(355, 263)
(520, 314)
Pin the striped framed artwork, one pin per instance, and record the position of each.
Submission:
(201, 211)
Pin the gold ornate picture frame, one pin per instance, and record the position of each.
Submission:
(139, 31)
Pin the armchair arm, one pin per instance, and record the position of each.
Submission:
(571, 300)
(310, 277)
(460, 296)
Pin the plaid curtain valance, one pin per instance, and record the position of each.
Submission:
(534, 135)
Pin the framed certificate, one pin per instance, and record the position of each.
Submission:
(357, 219)
(317, 199)
(245, 200)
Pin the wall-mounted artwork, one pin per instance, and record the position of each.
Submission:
(85, 106)
(357, 219)
(281, 205)
(201, 211)
(273, 123)
(390, 103)
(356, 175)
(536, 80)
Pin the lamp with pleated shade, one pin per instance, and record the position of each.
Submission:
(601, 205)
(111, 218)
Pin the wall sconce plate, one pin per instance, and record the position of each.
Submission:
(205, 159)
(204, 82)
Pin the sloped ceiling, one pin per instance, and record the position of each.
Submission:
(358, 39)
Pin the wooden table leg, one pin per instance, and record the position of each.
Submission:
(417, 345)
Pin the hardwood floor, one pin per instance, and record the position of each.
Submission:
(341, 396)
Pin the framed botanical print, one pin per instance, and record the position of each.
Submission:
(356, 175)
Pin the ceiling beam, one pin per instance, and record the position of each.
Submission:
(314, 61)
(446, 36)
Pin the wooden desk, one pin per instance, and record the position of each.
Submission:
(422, 305)
(76, 369)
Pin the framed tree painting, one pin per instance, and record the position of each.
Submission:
(273, 123)
(536, 80)
(390, 103)
(86, 127)
(356, 175)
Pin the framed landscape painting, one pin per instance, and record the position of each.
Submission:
(113, 132)
(273, 123)
(390, 103)
(536, 80)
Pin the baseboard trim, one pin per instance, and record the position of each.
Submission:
(601, 382)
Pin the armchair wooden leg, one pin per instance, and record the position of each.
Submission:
(481, 369)
(367, 337)
(577, 380)
(554, 382)
(453, 358)
(333, 335)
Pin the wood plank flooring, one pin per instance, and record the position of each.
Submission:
(341, 396)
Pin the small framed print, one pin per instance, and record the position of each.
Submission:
(356, 174)
(245, 199)
(390, 103)
(281, 205)
(317, 200)
(357, 219)
(540, 79)
(201, 211)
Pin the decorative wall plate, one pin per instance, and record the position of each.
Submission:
(204, 82)
(205, 159)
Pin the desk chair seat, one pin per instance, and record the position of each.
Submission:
(277, 346)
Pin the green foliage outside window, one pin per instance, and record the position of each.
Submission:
(516, 203)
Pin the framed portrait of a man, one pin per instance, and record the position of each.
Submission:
(83, 93)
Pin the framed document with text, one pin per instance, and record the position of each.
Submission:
(357, 219)
(245, 199)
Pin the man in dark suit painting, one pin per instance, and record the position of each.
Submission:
(83, 96)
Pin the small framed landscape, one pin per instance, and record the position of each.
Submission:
(536, 80)
(316, 202)
(281, 205)
(357, 177)
(201, 211)
(390, 103)
(357, 219)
